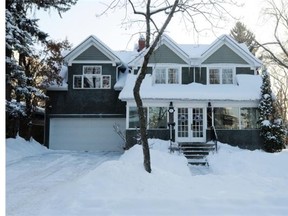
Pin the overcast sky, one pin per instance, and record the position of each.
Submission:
(81, 21)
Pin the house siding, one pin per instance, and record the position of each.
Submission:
(196, 74)
(244, 70)
(245, 139)
(187, 75)
(92, 53)
(165, 55)
(224, 55)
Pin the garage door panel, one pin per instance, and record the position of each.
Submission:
(85, 134)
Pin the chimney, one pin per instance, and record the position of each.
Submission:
(141, 43)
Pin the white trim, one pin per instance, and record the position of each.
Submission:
(91, 62)
(167, 67)
(221, 67)
(91, 41)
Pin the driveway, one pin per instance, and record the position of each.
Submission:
(29, 181)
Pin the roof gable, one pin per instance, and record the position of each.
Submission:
(231, 47)
(92, 53)
(225, 55)
(166, 44)
(92, 49)
(165, 55)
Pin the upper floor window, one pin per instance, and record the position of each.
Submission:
(92, 78)
(166, 75)
(220, 76)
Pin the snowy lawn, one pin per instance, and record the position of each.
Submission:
(238, 182)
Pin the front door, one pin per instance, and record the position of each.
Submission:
(190, 125)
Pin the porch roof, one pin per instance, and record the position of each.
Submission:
(247, 88)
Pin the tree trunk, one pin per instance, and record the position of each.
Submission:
(142, 117)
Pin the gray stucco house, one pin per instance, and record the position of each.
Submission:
(189, 91)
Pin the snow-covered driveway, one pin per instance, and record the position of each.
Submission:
(31, 180)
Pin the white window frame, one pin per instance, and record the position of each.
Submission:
(221, 69)
(87, 72)
(166, 69)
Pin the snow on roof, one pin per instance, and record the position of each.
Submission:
(194, 50)
(247, 88)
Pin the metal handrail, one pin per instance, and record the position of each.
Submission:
(216, 138)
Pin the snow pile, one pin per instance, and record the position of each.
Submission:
(237, 182)
(19, 148)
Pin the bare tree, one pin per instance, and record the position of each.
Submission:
(275, 53)
(156, 17)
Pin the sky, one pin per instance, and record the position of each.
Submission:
(81, 21)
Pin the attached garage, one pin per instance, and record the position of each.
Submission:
(85, 134)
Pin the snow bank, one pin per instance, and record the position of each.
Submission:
(237, 182)
(19, 148)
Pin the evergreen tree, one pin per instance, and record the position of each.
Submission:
(242, 35)
(271, 129)
(22, 33)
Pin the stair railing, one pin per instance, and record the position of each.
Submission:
(214, 137)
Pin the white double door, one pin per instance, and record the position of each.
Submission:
(190, 124)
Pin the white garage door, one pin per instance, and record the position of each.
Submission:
(85, 134)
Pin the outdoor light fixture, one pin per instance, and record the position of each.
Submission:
(171, 108)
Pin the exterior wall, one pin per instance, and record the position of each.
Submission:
(224, 55)
(196, 74)
(165, 55)
(244, 70)
(187, 75)
(245, 139)
(92, 53)
(86, 101)
(131, 135)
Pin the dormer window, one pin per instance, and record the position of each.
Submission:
(166, 75)
(92, 78)
(220, 76)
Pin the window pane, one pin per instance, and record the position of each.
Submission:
(172, 75)
(227, 76)
(88, 82)
(183, 126)
(157, 117)
(77, 81)
(214, 76)
(93, 69)
(134, 118)
(226, 118)
(106, 80)
(160, 76)
(249, 118)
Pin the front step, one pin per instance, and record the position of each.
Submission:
(196, 153)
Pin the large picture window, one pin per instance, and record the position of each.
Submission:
(220, 76)
(92, 78)
(249, 118)
(166, 75)
(226, 118)
(157, 117)
(134, 117)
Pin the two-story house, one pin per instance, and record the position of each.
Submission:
(189, 90)
(81, 113)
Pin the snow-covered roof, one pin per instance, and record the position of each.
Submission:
(247, 88)
(92, 40)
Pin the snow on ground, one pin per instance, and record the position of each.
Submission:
(237, 182)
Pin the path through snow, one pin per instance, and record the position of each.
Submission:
(31, 180)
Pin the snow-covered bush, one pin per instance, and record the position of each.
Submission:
(271, 129)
